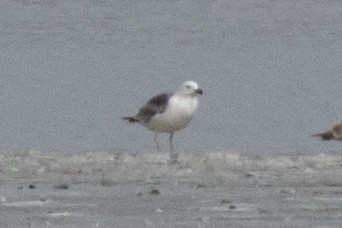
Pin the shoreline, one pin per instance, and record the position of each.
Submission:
(203, 190)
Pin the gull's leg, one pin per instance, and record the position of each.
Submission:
(171, 143)
(173, 155)
(157, 143)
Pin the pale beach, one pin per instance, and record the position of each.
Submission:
(203, 190)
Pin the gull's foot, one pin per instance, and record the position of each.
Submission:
(173, 158)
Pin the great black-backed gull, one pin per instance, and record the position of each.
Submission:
(169, 112)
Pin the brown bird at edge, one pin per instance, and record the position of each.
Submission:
(335, 133)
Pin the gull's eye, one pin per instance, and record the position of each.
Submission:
(188, 87)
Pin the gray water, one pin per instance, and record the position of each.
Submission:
(270, 71)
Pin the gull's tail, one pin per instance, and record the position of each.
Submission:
(328, 135)
(131, 119)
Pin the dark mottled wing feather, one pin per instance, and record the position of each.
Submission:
(337, 129)
(155, 105)
(334, 133)
(328, 135)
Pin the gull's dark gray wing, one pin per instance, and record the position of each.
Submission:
(156, 104)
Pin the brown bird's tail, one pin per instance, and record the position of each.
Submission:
(328, 135)
(131, 119)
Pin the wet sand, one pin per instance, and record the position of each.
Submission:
(202, 190)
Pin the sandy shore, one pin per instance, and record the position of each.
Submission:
(202, 190)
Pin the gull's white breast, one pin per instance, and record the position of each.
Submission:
(177, 115)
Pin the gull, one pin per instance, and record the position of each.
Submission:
(335, 133)
(169, 112)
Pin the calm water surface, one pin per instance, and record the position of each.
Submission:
(270, 71)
